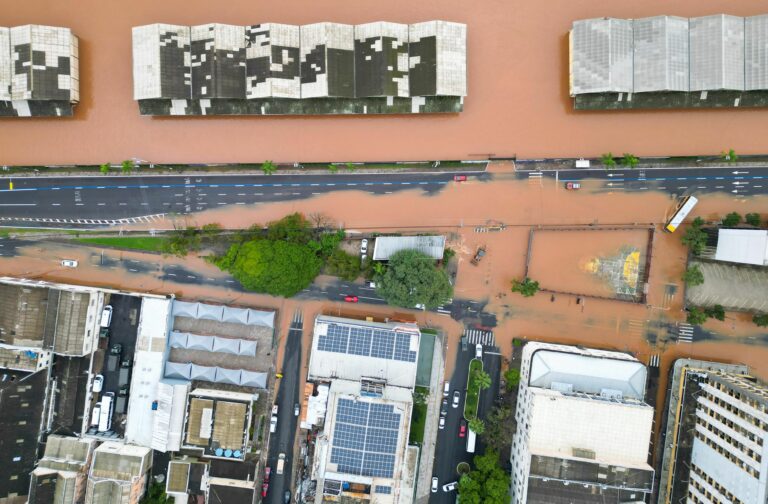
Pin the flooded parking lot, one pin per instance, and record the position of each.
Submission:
(518, 100)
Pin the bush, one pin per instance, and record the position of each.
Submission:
(693, 276)
(729, 155)
(104, 168)
(629, 160)
(292, 228)
(761, 320)
(268, 167)
(181, 242)
(526, 288)
(448, 254)
(696, 316)
(753, 219)
(716, 312)
(732, 219)
(127, 166)
(512, 377)
(343, 265)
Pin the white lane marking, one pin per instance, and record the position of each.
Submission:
(100, 187)
(122, 187)
(241, 194)
(166, 187)
(123, 204)
(55, 204)
(18, 204)
(221, 194)
(100, 204)
(79, 204)
(178, 195)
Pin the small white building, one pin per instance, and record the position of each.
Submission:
(387, 246)
(745, 246)
(583, 428)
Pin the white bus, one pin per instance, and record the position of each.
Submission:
(105, 418)
(681, 213)
(471, 441)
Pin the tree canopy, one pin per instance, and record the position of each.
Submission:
(279, 268)
(412, 278)
(487, 484)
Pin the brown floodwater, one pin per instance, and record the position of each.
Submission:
(518, 100)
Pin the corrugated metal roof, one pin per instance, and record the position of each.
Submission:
(717, 53)
(386, 246)
(601, 56)
(745, 246)
(661, 54)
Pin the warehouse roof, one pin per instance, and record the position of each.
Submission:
(746, 246)
(386, 246)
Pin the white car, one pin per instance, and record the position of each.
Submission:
(456, 398)
(434, 484)
(441, 424)
(98, 383)
(478, 351)
(450, 487)
(273, 424)
(69, 263)
(364, 246)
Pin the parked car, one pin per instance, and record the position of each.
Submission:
(287, 497)
(572, 186)
(123, 391)
(446, 389)
(69, 263)
(478, 351)
(450, 487)
(434, 484)
(364, 246)
(456, 398)
(296, 409)
(98, 383)
(126, 363)
(351, 299)
(441, 423)
(273, 424)
(116, 349)
(463, 429)
(459, 178)
(106, 316)
(370, 284)
(444, 408)
(264, 489)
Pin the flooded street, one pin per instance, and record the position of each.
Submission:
(518, 100)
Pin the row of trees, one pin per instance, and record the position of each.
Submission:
(126, 166)
(268, 167)
(628, 160)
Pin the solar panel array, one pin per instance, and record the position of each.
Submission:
(381, 489)
(367, 342)
(365, 438)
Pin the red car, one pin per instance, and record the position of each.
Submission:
(267, 472)
(462, 429)
(351, 299)
(459, 178)
(264, 489)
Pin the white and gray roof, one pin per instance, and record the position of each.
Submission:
(320, 60)
(669, 53)
(386, 246)
(745, 246)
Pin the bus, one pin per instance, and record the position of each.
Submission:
(681, 213)
(471, 441)
(105, 415)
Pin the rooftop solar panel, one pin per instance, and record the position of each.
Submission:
(367, 342)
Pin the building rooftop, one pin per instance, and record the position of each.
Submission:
(354, 349)
(227, 492)
(588, 373)
(745, 246)
(605, 431)
(121, 462)
(217, 422)
(386, 246)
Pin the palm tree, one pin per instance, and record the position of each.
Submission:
(477, 426)
(607, 160)
(268, 167)
(333, 168)
(482, 379)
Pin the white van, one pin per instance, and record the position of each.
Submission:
(105, 415)
(95, 415)
(106, 316)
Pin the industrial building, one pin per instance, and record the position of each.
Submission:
(39, 71)
(583, 427)
(742, 246)
(118, 474)
(387, 246)
(716, 437)
(669, 62)
(369, 372)
(320, 68)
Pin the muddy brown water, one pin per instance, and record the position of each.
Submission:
(518, 100)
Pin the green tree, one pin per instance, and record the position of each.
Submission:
(512, 377)
(181, 241)
(412, 278)
(608, 160)
(716, 312)
(379, 268)
(693, 276)
(527, 287)
(629, 160)
(481, 379)
(104, 168)
(156, 495)
(696, 316)
(211, 230)
(695, 238)
(343, 265)
(753, 219)
(327, 243)
(448, 254)
(761, 320)
(470, 490)
(732, 219)
(293, 228)
(268, 167)
(730, 156)
(499, 429)
(477, 426)
(351, 167)
(279, 268)
(488, 484)
(333, 168)
(127, 166)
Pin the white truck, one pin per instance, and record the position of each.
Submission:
(105, 414)
(280, 463)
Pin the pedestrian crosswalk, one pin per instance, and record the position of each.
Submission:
(684, 333)
(654, 360)
(475, 336)
(535, 177)
(94, 222)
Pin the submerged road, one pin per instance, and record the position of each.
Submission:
(102, 201)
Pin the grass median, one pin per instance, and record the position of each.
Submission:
(146, 243)
(473, 390)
